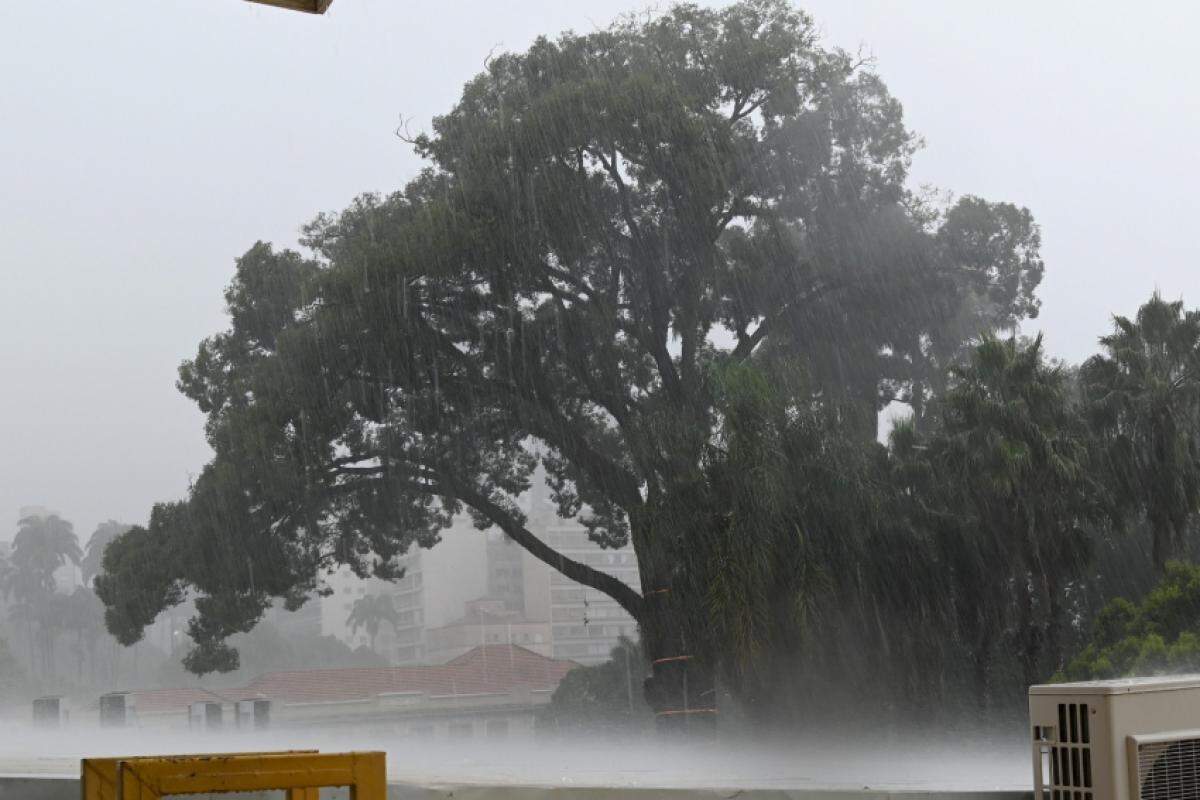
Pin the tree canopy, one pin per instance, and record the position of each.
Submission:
(370, 612)
(1145, 401)
(636, 257)
(603, 698)
(90, 565)
(1159, 634)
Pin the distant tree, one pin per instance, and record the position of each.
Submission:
(42, 546)
(370, 611)
(604, 697)
(608, 222)
(1144, 395)
(105, 532)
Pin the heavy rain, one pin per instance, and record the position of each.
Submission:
(753, 395)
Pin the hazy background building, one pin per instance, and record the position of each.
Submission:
(479, 587)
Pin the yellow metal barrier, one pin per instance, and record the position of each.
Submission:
(98, 776)
(301, 774)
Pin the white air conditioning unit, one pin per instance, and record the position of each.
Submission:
(1128, 739)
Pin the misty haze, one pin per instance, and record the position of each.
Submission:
(740, 396)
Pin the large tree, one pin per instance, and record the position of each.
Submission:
(1011, 465)
(1144, 393)
(610, 225)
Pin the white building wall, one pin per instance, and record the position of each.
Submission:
(585, 625)
(438, 582)
(455, 571)
(436, 585)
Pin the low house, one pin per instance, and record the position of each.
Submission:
(491, 690)
(166, 707)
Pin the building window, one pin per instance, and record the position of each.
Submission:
(460, 730)
(497, 728)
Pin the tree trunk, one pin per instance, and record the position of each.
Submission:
(681, 688)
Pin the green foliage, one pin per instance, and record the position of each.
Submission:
(136, 582)
(792, 496)
(1160, 634)
(599, 212)
(370, 612)
(602, 698)
(42, 545)
(1004, 488)
(92, 562)
(1144, 398)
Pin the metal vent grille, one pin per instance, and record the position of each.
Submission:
(1064, 755)
(1169, 770)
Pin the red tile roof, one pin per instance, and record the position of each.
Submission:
(486, 669)
(156, 701)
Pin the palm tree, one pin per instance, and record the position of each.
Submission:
(93, 558)
(1144, 398)
(42, 545)
(369, 612)
(1015, 454)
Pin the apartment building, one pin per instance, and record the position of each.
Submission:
(485, 570)
(437, 584)
(585, 625)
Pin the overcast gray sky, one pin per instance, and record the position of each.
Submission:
(144, 144)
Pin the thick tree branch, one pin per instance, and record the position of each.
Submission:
(747, 344)
(579, 572)
(659, 316)
(542, 413)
